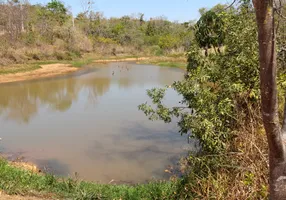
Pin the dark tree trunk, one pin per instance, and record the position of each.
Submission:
(206, 52)
(268, 71)
(218, 50)
(284, 119)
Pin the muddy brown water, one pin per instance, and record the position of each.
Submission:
(89, 123)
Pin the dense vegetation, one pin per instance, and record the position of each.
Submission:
(221, 107)
(45, 32)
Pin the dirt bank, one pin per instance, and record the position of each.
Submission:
(44, 72)
(17, 197)
(50, 70)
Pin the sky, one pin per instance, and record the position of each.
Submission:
(174, 10)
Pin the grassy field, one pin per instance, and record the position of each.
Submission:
(16, 181)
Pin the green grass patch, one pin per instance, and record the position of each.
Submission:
(19, 68)
(115, 57)
(172, 64)
(81, 63)
(175, 64)
(22, 182)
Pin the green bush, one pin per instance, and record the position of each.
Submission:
(168, 42)
(156, 50)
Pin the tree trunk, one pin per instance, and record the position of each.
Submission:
(268, 71)
(206, 52)
(22, 17)
(284, 119)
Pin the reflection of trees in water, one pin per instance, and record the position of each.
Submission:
(125, 82)
(20, 102)
(170, 74)
(16, 102)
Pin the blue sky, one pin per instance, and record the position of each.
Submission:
(181, 10)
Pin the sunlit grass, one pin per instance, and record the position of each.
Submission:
(81, 63)
(19, 68)
(166, 62)
(172, 64)
(23, 182)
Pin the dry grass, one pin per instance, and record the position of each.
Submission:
(239, 174)
(18, 68)
(167, 61)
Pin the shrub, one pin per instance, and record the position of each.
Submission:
(156, 50)
(168, 42)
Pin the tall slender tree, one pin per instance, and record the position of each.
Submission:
(276, 135)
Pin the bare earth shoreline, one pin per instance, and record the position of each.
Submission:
(51, 70)
(18, 197)
(44, 72)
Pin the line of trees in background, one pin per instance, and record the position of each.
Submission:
(50, 31)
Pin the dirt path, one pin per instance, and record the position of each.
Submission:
(13, 197)
(45, 71)
(4, 196)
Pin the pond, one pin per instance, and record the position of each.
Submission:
(89, 123)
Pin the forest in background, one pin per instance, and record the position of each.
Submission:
(50, 32)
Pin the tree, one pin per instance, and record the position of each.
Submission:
(141, 19)
(87, 6)
(151, 29)
(58, 11)
(276, 135)
(168, 41)
(219, 88)
(209, 30)
(13, 17)
(215, 88)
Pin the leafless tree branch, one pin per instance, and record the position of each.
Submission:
(234, 1)
(280, 14)
(278, 9)
(181, 107)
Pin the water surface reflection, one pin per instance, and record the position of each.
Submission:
(90, 124)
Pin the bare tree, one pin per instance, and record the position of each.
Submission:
(12, 17)
(87, 6)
